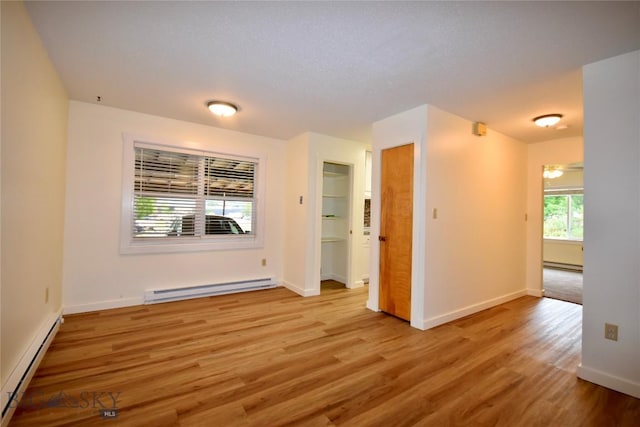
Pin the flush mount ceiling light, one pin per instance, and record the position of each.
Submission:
(222, 109)
(547, 120)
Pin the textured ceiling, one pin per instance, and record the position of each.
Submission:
(336, 67)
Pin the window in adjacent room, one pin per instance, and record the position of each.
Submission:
(564, 215)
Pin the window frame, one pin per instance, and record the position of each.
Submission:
(131, 245)
(568, 193)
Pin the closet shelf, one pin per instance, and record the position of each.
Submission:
(334, 174)
(332, 239)
(331, 217)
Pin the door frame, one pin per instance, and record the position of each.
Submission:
(541, 291)
(419, 280)
(317, 215)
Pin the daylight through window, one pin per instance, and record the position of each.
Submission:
(564, 216)
(180, 195)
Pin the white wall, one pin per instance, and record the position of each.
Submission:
(34, 138)
(400, 129)
(365, 258)
(96, 275)
(570, 179)
(555, 151)
(304, 178)
(612, 227)
(473, 255)
(297, 268)
(562, 252)
(475, 249)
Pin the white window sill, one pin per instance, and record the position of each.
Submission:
(564, 241)
(160, 245)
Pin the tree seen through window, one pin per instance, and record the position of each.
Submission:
(564, 216)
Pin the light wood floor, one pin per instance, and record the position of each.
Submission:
(272, 358)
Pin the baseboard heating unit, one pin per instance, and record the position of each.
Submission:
(562, 266)
(16, 384)
(153, 296)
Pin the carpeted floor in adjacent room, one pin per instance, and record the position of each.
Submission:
(562, 284)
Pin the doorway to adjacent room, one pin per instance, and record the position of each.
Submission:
(563, 225)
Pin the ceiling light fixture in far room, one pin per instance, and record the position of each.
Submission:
(547, 120)
(222, 109)
(552, 173)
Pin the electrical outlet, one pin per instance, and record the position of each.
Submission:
(611, 331)
(264, 262)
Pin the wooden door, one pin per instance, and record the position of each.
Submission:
(396, 231)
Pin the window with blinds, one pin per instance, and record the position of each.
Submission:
(178, 195)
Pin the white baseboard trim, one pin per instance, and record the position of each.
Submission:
(300, 291)
(457, 314)
(21, 375)
(335, 277)
(373, 305)
(535, 292)
(340, 279)
(609, 381)
(103, 305)
(358, 284)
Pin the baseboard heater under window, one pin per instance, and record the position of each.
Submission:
(562, 266)
(153, 296)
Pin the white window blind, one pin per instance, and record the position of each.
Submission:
(183, 195)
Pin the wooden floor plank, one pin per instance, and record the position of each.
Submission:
(272, 358)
